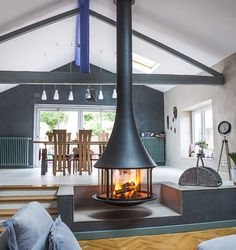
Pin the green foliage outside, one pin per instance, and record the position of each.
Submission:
(88, 117)
(92, 121)
(233, 156)
(110, 116)
(51, 119)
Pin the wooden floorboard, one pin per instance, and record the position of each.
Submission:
(178, 241)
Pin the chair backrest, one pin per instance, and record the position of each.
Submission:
(84, 138)
(102, 137)
(60, 149)
(68, 138)
(84, 135)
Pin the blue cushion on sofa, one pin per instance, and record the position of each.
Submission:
(61, 237)
(219, 243)
(29, 225)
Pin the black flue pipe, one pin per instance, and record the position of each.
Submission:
(125, 149)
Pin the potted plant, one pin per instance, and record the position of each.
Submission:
(202, 145)
(233, 169)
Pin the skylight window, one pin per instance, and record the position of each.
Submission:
(144, 64)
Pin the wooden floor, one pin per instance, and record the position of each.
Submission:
(178, 241)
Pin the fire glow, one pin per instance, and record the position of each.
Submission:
(127, 184)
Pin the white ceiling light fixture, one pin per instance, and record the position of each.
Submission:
(144, 64)
(71, 96)
(114, 94)
(56, 94)
(44, 94)
(88, 94)
(100, 96)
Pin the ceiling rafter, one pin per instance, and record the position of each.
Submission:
(29, 77)
(217, 78)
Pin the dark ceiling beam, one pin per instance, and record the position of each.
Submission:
(37, 25)
(67, 14)
(54, 77)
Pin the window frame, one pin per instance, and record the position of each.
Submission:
(202, 111)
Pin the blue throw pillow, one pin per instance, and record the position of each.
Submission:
(61, 237)
(28, 226)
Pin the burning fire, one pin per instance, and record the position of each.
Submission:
(127, 184)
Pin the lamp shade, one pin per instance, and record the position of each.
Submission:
(44, 95)
(56, 95)
(71, 96)
(88, 94)
(114, 94)
(100, 96)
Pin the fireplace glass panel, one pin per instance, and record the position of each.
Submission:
(125, 184)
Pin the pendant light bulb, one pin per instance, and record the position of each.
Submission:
(114, 94)
(100, 96)
(71, 96)
(44, 95)
(88, 94)
(56, 95)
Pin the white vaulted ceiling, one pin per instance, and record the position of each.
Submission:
(204, 30)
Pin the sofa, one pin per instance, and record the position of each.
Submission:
(32, 228)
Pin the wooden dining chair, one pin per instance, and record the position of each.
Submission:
(61, 160)
(102, 137)
(68, 139)
(82, 155)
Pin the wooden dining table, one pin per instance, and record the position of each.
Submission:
(44, 160)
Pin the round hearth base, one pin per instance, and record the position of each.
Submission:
(124, 202)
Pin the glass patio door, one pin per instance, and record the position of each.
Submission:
(59, 119)
(99, 121)
(72, 118)
(48, 119)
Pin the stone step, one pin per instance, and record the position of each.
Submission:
(27, 192)
(29, 198)
(19, 204)
(10, 212)
(29, 187)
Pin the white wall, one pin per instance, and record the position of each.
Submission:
(223, 105)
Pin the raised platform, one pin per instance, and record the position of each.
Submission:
(176, 206)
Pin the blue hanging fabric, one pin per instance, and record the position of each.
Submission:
(77, 49)
(83, 37)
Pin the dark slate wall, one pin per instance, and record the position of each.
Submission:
(148, 109)
(17, 107)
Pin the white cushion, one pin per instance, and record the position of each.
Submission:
(219, 243)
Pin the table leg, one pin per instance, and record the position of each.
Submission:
(44, 165)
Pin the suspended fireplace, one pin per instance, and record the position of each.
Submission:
(125, 167)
